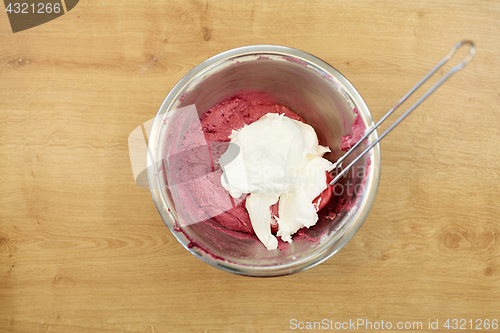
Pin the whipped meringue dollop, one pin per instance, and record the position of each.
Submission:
(277, 158)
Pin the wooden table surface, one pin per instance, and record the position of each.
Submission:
(83, 249)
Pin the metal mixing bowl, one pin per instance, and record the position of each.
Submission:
(312, 89)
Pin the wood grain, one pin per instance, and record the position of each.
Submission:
(83, 249)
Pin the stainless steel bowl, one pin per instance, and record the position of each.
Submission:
(312, 89)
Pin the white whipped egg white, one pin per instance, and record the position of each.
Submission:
(278, 159)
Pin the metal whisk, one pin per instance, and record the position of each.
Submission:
(453, 70)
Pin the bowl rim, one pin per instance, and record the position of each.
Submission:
(371, 184)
